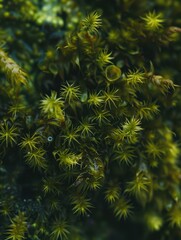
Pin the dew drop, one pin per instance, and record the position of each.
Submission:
(50, 138)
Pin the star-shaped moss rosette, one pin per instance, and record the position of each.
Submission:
(89, 120)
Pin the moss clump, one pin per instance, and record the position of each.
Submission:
(90, 120)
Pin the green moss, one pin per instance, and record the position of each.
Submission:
(90, 120)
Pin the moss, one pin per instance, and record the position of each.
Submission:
(90, 120)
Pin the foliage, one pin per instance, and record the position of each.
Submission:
(17, 228)
(90, 120)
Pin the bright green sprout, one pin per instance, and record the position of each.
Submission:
(129, 133)
(55, 204)
(67, 158)
(17, 228)
(31, 142)
(175, 216)
(125, 154)
(70, 92)
(36, 158)
(104, 58)
(173, 152)
(139, 186)
(71, 136)
(163, 84)
(91, 23)
(134, 78)
(122, 208)
(13, 72)
(114, 36)
(6, 208)
(90, 184)
(154, 150)
(16, 109)
(51, 185)
(101, 116)
(112, 193)
(8, 134)
(95, 99)
(130, 129)
(70, 45)
(111, 97)
(153, 21)
(82, 205)
(116, 135)
(59, 230)
(94, 185)
(86, 128)
(147, 111)
(153, 221)
(52, 106)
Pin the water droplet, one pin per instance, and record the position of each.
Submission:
(50, 138)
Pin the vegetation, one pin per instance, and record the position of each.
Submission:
(90, 104)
